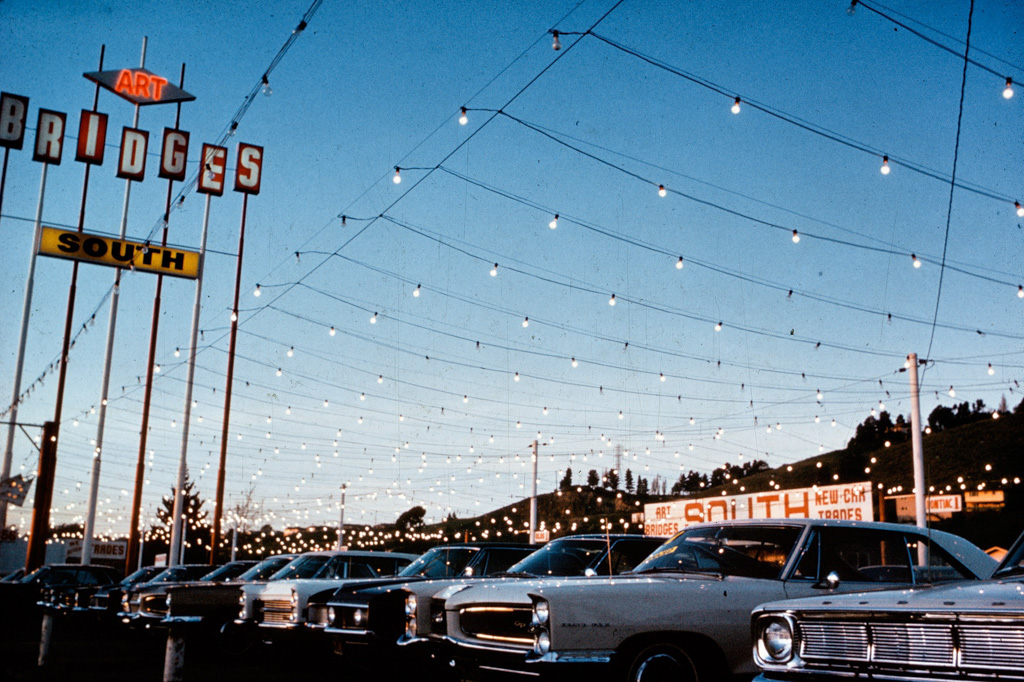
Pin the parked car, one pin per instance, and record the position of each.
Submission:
(151, 599)
(207, 606)
(369, 623)
(172, 575)
(281, 603)
(684, 612)
(961, 631)
(20, 599)
(107, 599)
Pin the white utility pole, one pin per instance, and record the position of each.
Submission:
(341, 521)
(533, 498)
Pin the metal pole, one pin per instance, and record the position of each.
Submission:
(19, 362)
(179, 499)
(35, 556)
(916, 444)
(341, 522)
(533, 499)
(108, 358)
(219, 501)
(140, 465)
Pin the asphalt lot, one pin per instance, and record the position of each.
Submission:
(109, 652)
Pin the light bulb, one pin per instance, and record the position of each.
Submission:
(833, 422)
(416, 291)
(1008, 92)
(380, 380)
(621, 415)
(735, 106)
(554, 222)
(692, 421)
(267, 90)
(373, 320)
(574, 363)
(257, 292)
(817, 419)
(516, 377)
(990, 370)
(556, 44)
(325, 403)
(332, 332)
(952, 393)
(291, 351)
(852, 9)
(662, 376)
(662, 191)
(545, 411)
(234, 128)
(494, 270)
(718, 327)
(679, 263)
(1020, 291)
(1020, 209)
(234, 316)
(885, 165)
(362, 396)
(398, 175)
(177, 352)
(465, 398)
(463, 119)
(611, 301)
(796, 237)
(156, 369)
(917, 263)
(526, 322)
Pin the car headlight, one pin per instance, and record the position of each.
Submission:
(775, 639)
(410, 605)
(410, 615)
(542, 644)
(541, 613)
(243, 610)
(295, 598)
(357, 617)
(125, 600)
(330, 615)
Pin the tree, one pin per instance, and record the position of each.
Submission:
(641, 486)
(411, 519)
(593, 480)
(566, 482)
(613, 479)
(629, 481)
(193, 508)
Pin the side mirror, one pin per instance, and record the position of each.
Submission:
(830, 582)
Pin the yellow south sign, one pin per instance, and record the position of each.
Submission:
(119, 253)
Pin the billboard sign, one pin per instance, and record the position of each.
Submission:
(119, 253)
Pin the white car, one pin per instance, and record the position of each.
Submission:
(281, 603)
(684, 612)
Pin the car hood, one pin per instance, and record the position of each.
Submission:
(518, 590)
(305, 586)
(990, 596)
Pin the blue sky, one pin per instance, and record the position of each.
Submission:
(589, 133)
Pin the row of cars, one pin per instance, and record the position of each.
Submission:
(627, 607)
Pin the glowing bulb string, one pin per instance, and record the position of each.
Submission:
(805, 125)
(733, 212)
(952, 184)
(460, 145)
(790, 291)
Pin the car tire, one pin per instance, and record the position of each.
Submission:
(663, 663)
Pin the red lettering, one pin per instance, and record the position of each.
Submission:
(718, 504)
(125, 82)
(693, 512)
(158, 84)
(141, 85)
(791, 509)
(132, 165)
(767, 501)
(92, 137)
(174, 154)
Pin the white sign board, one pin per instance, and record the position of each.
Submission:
(101, 549)
(941, 505)
(846, 501)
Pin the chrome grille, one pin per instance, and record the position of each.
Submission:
(438, 621)
(992, 647)
(911, 648)
(917, 643)
(277, 611)
(154, 605)
(838, 641)
(507, 624)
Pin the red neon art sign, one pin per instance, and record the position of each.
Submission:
(140, 86)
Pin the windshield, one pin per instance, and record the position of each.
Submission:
(265, 568)
(562, 558)
(141, 575)
(36, 575)
(1013, 562)
(750, 551)
(177, 574)
(228, 571)
(440, 562)
(302, 567)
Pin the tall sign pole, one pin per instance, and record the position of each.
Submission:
(211, 182)
(915, 442)
(533, 498)
(247, 181)
(341, 521)
(131, 166)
